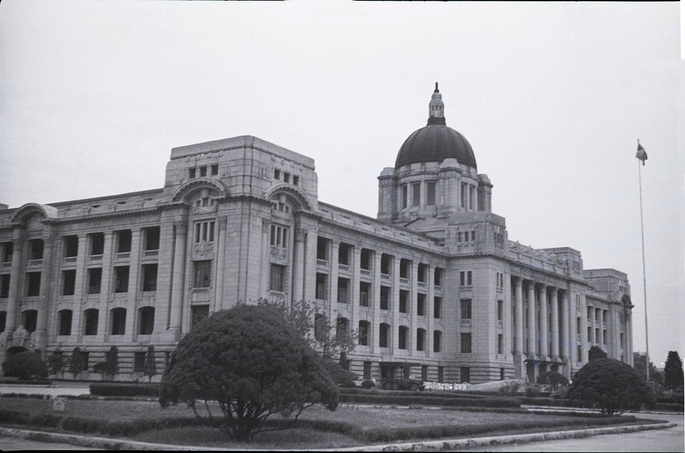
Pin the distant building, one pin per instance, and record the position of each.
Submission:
(433, 286)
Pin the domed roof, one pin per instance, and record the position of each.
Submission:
(435, 142)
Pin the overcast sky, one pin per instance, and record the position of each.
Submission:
(551, 96)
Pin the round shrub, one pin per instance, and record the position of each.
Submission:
(26, 365)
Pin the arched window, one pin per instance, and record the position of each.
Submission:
(146, 320)
(118, 323)
(65, 317)
(91, 321)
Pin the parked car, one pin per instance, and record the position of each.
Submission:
(401, 384)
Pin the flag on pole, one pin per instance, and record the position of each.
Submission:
(641, 153)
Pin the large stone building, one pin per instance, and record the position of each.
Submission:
(433, 285)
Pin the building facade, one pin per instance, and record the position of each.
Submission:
(433, 286)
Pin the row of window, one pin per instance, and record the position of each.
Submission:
(146, 321)
(415, 195)
(286, 177)
(366, 261)
(203, 171)
(402, 337)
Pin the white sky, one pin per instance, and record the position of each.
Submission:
(551, 96)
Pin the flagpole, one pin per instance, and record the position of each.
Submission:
(644, 272)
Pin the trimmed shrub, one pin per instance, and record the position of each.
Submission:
(26, 365)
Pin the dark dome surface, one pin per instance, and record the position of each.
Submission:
(434, 143)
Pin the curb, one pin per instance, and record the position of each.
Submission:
(106, 443)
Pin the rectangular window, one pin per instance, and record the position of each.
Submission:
(466, 343)
(68, 282)
(404, 301)
(36, 249)
(386, 263)
(437, 307)
(94, 280)
(367, 370)
(123, 240)
(416, 194)
(465, 308)
(7, 250)
(385, 298)
(33, 284)
(4, 286)
(364, 294)
(121, 279)
(277, 281)
(70, 246)
(204, 232)
(465, 374)
(405, 265)
(203, 274)
(344, 254)
(151, 238)
(198, 313)
(97, 244)
(149, 277)
(430, 193)
(420, 304)
(139, 362)
(343, 290)
(321, 286)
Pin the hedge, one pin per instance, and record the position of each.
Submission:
(124, 389)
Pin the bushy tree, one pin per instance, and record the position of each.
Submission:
(150, 363)
(111, 361)
(55, 363)
(76, 363)
(673, 371)
(611, 386)
(596, 353)
(553, 379)
(26, 365)
(250, 361)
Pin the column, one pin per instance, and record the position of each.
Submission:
(19, 243)
(531, 320)
(298, 265)
(518, 328)
(40, 336)
(565, 339)
(178, 275)
(555, 325)
(543, 324)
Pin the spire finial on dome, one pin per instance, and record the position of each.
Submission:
(436, 109)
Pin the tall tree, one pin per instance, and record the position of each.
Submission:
(673, 371)
(251, 361)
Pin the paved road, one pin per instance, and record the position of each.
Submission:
(658, 440)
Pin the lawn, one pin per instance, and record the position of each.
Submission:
(349, 425)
